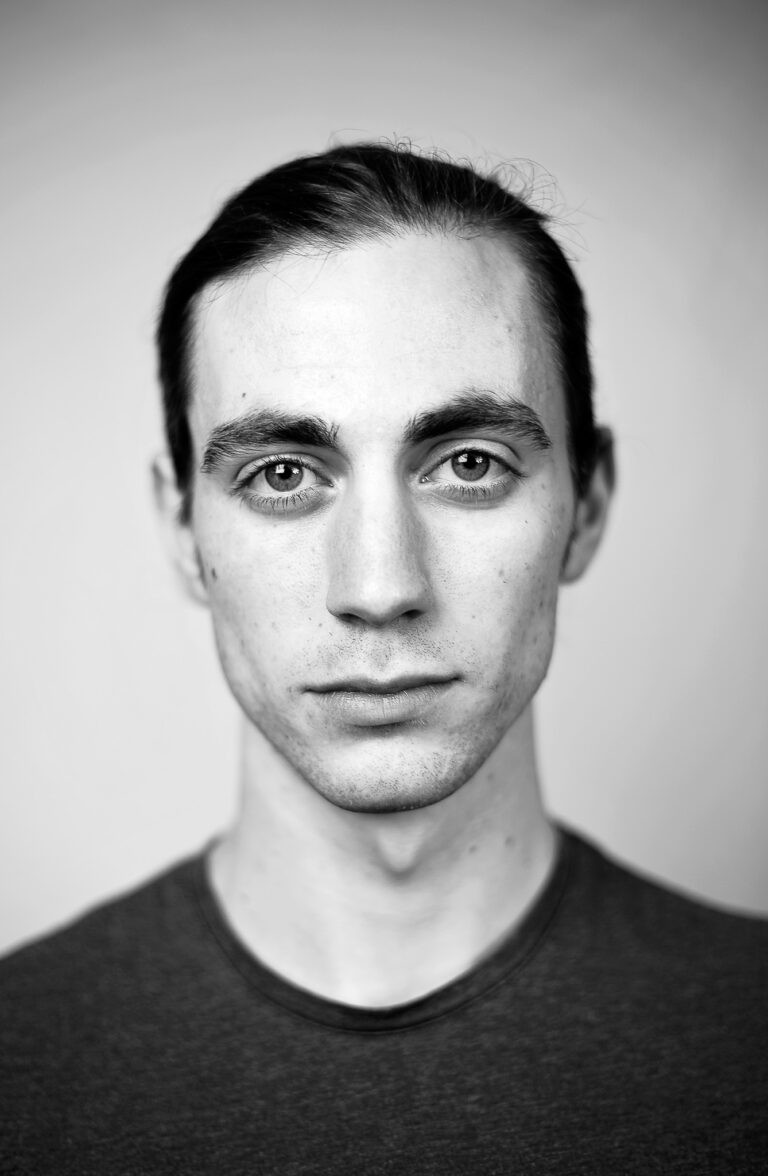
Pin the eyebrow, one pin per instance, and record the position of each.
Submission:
(470, 411)
(264, 428)
(477, 409)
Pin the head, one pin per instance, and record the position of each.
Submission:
(383, 462)
(349, 195)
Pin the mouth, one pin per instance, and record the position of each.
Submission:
(375, 702)
(365, 685)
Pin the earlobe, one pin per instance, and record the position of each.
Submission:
(177, 529)
(591, 512)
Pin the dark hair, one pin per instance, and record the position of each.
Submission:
(363, 192)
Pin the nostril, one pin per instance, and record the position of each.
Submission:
(376, 617)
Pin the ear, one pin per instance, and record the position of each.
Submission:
(591, 512)
(177, 529)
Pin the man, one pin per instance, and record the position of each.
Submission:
(382, 465)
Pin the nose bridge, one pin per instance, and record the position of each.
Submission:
(377, 569)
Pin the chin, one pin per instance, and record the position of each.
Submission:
(381, 799)
(400, 787)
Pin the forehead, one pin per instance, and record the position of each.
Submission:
(371, 334)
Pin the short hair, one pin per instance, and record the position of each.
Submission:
(362, 192)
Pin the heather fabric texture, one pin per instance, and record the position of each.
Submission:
(621, 1029)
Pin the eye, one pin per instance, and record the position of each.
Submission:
(283, 476)
(472, 475)
(468, 465)
(471, 465)
(280, 484)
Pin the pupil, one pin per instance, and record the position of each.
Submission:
(471, 465)
(284, 475)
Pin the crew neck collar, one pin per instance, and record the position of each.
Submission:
(509, 955)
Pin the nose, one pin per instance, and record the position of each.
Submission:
(377, 558)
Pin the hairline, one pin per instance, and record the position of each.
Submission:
(321, 248)
(316, 245)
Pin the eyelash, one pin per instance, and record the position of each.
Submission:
(279, 503)
(461, 491)
(478, 491)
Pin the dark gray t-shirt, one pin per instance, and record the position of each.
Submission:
(621, 1029)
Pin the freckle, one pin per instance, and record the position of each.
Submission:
(214, 573)
(242, 396)
(509, 841)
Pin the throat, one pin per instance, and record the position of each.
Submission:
(379, 944)
(376, 910)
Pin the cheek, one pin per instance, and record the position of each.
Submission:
(262, 591)
(525, 600)
(506, 590)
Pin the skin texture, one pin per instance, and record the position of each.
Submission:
(424, 835)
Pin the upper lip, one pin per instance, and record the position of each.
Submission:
(365, 685)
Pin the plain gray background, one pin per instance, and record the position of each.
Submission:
(125, 125)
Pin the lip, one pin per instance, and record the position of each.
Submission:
(370, 702)
(365, 685)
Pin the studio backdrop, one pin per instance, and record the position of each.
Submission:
(641, 129)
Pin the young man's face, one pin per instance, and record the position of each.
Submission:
(382, 508)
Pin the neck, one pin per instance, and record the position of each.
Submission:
(379, 909)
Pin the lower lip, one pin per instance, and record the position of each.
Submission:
(360, 708)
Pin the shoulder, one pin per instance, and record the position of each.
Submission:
(152, 900)
(84, 1010)
(650, 929)
(103, 957)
